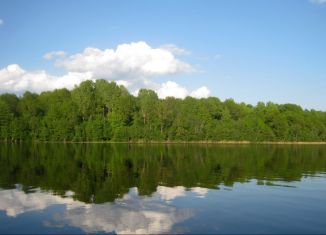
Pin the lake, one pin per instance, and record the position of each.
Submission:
(177, 188)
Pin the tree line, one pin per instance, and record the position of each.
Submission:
(103, 111)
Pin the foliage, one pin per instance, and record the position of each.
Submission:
(104, 111)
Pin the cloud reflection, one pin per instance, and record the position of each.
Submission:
(170, 193)
(130, 214)
(16, 201)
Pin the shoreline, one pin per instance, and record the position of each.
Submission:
(177, 142)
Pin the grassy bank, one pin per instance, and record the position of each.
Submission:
(180, 142)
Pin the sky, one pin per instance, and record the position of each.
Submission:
(251, 51)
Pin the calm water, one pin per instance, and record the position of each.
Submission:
(103, 188)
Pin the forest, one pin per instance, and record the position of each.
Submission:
(103, 111)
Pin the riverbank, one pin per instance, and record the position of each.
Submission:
(181, 142)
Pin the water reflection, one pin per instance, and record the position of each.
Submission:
(15, 201)
(101, 173)
(157, 188)
(130, 214)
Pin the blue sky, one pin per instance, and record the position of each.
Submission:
(250, 50)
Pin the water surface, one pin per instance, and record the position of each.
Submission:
(120, 188)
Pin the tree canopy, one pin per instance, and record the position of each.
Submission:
(104, 111)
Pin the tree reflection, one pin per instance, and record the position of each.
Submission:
(103, 172)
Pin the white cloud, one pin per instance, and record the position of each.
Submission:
(202, 92)
(123, 83)
(1, 22)
(319, 2)
(134, 60)
(132, 65)
(135, 92)
(53, 54)
(175, 50)
(170, 88)
(15, 79)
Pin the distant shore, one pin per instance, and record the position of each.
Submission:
(180, 142)
(208, 142)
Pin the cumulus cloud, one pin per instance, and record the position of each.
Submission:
(15, 79)
(134, 60)
(202, 92)
(170, 88)
(175, 50)
(53, 54)
(133, 65)
(319, 2)
(123, 83)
